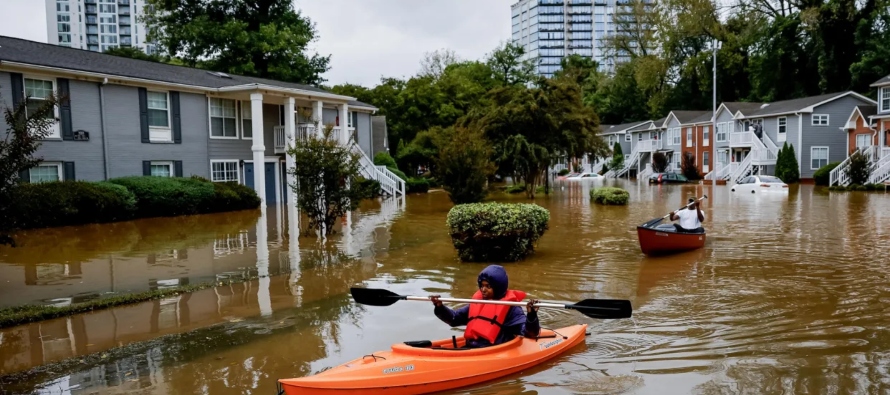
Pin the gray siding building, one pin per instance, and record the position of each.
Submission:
(127, 117)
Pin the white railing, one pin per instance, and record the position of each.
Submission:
(881, 170)
(649, 145)
(386, 176)
(742, 169)
(839, 173)
(305, 131)
(741, 139)
(723, 173)
(389, 182)
(648, 171)
(630, 162)
(280, 139)
(598, 166)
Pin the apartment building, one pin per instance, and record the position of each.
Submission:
(126, 117)
(96, 25)
(550, 30)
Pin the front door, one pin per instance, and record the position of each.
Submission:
(271, 197)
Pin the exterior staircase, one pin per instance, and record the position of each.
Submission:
(878, 157)
(881, 170)
(742, 169)
(628, 164)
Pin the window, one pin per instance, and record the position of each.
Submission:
(224, 170)
(705, 158)
(721, 131)
(639, 137)
(162, 169)
(45, 172)
(863, 141)
(818, 157)
(885, 99)
(783, 125)
(223, 123)
(820, 120)
(627, 137)
(706, 135)
(246, 120)
(37, 90)
(689, 137)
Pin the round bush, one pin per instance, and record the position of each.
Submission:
(609, 196)
(823, 175)
(496, 232)
(417, 185)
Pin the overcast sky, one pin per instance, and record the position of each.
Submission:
(366, 39)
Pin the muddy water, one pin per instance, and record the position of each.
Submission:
(790, 295)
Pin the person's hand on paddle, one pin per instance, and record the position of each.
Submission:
(436, 301)
(531, 306)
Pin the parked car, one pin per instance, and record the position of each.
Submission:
(755, 184)
(667, 178)
(584, 176)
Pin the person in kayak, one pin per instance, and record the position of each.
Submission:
(690, 218)
(491, 324)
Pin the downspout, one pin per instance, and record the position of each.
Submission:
(102, 127)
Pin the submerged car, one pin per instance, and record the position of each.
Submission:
(755, 184)
(584, 176)
(667, 178)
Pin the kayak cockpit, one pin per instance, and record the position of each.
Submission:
(446, 347)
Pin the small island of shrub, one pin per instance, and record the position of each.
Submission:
(609, 196)
(496, 232)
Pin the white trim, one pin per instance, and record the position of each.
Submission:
(237, 169)
(706, 136)
(57, 165)
(781, 137)
(57, 126)
(812, 108)
(117, 79)
(827, 156)
(883, 94)
(210, 119)
(851, 123)
(628, 137)
(813, 120)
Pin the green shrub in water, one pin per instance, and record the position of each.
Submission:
(50, 204)
(609, 196)
(496, 232)
(417, 185)
(563, 172)
(823, 175)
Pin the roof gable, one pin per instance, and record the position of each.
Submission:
(622, 128)
(804, 104)
(881, 82)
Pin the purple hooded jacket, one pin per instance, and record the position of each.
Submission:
(516, 323)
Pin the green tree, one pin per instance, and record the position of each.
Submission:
(859, 169)
(617, 157)
(509, 68)
(262, 38)
(326, 184)
(28, 123)
(464, 165)
(787, 168)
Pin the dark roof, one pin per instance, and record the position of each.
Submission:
(736, 106)
(621, 127)
(687, 117)
(867, 110)
(41, 54)
(705, 117)
(658, 123)
(643, 126)
(882, 81)
(356, 103)
(793, 105)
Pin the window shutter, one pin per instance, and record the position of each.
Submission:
(146, 168)
(177, 118)
(25, 176)
(177, 168)
(69, 171)
(18, 89)
(143, 114)
(65, 109)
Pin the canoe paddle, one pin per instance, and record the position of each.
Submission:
(657, 220)
(593, 308)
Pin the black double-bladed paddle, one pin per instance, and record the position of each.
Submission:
(593, 308)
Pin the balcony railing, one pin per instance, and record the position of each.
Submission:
(650, 145)
(741, 139)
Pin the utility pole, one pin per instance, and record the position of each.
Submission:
(713, 141)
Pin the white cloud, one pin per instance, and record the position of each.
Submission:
(367, 39)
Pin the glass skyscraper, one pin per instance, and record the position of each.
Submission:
(96, 25)
(550, 30)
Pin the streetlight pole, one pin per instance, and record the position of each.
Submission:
(714, 159)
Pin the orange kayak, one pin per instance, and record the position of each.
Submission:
(432, 366)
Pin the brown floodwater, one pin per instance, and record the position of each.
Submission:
(789, 295)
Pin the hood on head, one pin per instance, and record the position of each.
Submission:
(497, 278)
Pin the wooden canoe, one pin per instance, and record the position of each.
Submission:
(664, 239)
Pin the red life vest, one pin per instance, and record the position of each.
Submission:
(485, 320)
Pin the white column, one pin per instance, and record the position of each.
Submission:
(318, 117)
(293, 252)
(344, 122)
(258, 147)
(264, 299)
(290, 133)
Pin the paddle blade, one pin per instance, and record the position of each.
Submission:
(653, 222)
(603, 308)
(374, 297)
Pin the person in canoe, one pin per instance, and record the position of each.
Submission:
(690, 218)
(490, 324)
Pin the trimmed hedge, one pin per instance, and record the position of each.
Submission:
(855, 187)
(370, 188)
(500, 232)
(609, 196)
(417, 185)
(65, 203)
(823, 175)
